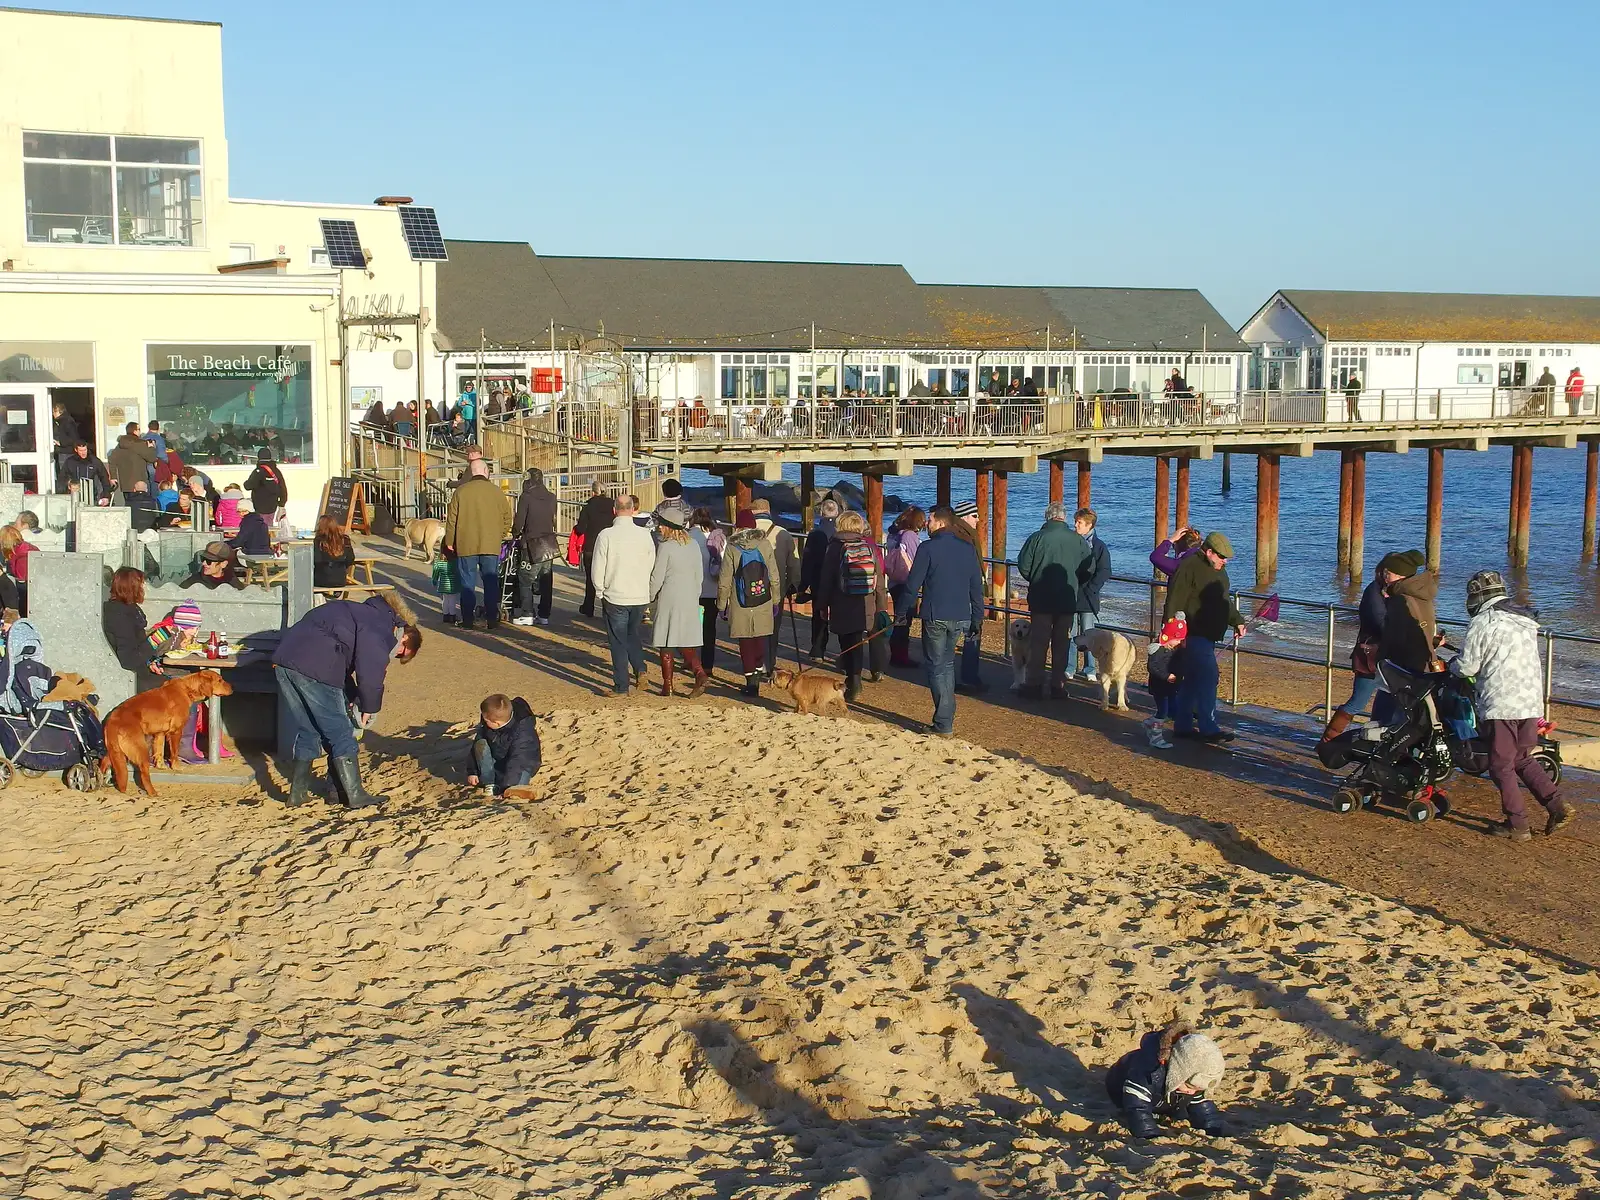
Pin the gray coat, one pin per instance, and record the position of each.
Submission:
(744, 622)
(675, 591)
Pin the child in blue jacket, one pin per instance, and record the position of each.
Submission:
(1168, 1076)
(505, 746)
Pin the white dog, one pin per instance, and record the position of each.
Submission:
(1021, 630)
(1114, 657)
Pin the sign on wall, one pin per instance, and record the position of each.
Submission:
(46, 362)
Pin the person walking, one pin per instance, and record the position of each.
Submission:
(1092, 579)
(969, 678)
(129, 459)
(534, 527)
(82, 464)
(675, 585)
(1364, 657)
(1410, 626)
(476, 523)
(1544, 393)
(711, 541)
(1200, 589)
(65, 433)
(745, 594)
(1352, 397)
(268, 489)
(946, 582)
(1501, 656)
(851, 592)
(596, 516)
(624, 557)
(788, 556)
(1052, 561)
(816, 549)
(338, 647)
(905, 539)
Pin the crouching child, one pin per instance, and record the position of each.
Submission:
(1165, 660)
(1168, 1076)
(505, 746)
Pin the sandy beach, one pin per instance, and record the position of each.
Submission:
(739, 952)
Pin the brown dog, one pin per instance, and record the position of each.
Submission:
(161, 714)
(813, 693)
(424, 535)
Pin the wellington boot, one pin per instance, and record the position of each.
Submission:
(666, 672)
(348, 772)
(299, 784)
(1340, 722)
(691, 659)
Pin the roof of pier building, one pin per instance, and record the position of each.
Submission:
(1447, 316)
(512, 294)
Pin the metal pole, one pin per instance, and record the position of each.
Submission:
(1234, 599)
(1327, 691)
(1549, 669)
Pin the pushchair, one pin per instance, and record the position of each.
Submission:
(39, 737)
(510, 560)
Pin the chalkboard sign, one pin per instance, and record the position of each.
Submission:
(345, 501)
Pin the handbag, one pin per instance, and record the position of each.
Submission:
(1364, 659)
(575, 542)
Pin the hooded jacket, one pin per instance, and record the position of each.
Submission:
(1502, 655)
(514, 746)
(847, 615)
(783, 549)
(268, 491)
(535, 523)
(816, 546)
(1052, 561)
(1139, 1078)
(341, 639)
(1408, 624)
(756, 621)
(129, 459)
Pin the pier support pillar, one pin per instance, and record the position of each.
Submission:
(1591, 485)
(872, 490)
(1227, 472)
(742, 491)
(999, 578)
(1267, 466)
(1058, 481)
(1180, 514)
(730, 496)
(941, 486)
(808, 485)
(1519, 547)
(1085, 481)
(1346, 469)
(1435, 532)
(1511, 505)
(1163, 468)
(981, 533)
(1358, 512)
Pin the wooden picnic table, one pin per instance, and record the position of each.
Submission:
(266, 571)
(339, 593)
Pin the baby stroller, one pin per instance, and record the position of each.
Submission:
(38, 737)
(510, 562)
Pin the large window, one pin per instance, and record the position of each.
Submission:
(125, 191)
(227, 403)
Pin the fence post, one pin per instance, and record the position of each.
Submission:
(1327, 691)
(1549, 670)
(1234, 600)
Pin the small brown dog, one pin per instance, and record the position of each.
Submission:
(161, 714)
(813, 693)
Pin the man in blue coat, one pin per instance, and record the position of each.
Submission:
(948, 578)
(1092, 577)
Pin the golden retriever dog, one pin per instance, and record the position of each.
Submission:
(161, 714)
(1021, 631)
(424, 535)
(1114, 657)
(813, 693)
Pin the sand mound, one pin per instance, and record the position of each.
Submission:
(734, 953)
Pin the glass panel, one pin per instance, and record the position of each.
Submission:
(803, 387)
(159, 206)
(66, 145)
(158, 150)
(227, 403)
(959, 377)
(18, 435)
(756, 378)
(731, 378)
(827, 380)
(936, 377)
(780, 382)
(874, 385)
(852, 377)
(68, 204)
(891, 381)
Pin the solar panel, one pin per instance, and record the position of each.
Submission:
(423, 239)
(342, 244)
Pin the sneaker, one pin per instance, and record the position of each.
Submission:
(1561, 815)
(452, 619)
(543, 620)
(1511, 832)
(464, 626)
(523, 621)
(874, 677)
(487, 792)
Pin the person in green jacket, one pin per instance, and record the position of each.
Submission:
(1201, 591)
(1051, 560)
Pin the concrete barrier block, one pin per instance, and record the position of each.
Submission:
(66, 596)
(102, 531)
(301, 582)
(12, 501)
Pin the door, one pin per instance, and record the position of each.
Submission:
(25, 441)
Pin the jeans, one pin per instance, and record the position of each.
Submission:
(321, 716)
(529, 577)
(483, 763)
(625, 635)
(1197, 694)
(1081, 622)
(939, 662)
(479, 570)
(708, 632)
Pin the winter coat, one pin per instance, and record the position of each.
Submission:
(783, 549)
(849, 616)
(1138, 1080)
(675, 591)
(816, 546)
(624, 557)
(143, 511)
(709, 570)
(255, 536)
(1164, 661)
(341, 639)
(1052, 561)
(758, 620)
(1373, 612)
(1502, 655)
(1166, 557)
(268, 491)
(899, 554)
(1203, 594)
(1092, 577)
(226, 514)
(948, 577)
(1408, 625)
(514, 746)
(125, 628)
(65, 430)
(330, 571)
(76, 468)
(597, 515)
(128, 460)
(478, 519)
(534, 526)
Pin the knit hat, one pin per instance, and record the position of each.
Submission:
(1196, 1061)
(674, 514)
(186, 615)
(1218, 543)
(967, 508)
(1176, 629)
(745, 520)
(1404, 563)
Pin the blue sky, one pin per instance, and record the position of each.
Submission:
(1234, 147)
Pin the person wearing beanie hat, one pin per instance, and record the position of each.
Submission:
(1410, 630)
(811, 556)
(1371, 617)
(1165, 660)
(1200, 589)
(1168, 1076)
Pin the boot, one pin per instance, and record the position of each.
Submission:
(852, 688)
(299, 784)
(348, 772)
(1560, 815)
(691, 659)
(1340, 722)
(752, 683)
(666, 672)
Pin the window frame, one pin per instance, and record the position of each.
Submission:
(316, 436)
(115, 165)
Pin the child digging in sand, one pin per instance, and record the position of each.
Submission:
(1165, 660)
(505, 746)
(1168, 1076)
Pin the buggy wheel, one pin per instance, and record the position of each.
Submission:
(1347, 800)
(1549, 763)
(1420, 811)
(6, 772)
(81, 777)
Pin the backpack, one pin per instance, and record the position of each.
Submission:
(858, 569)
(897, 559)
(751, 581)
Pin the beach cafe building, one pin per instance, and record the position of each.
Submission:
(733, 334)
(133, 287)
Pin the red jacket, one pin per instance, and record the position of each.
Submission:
(19, 561)
(1575, 384)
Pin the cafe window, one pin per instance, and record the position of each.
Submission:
(102, 190)
(226, 403)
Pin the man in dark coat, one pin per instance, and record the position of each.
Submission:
(599, 510)
(268, 491)
(130, 459)
(816, 549)
(81, 464)
(534, 527)
(505, 747)
(65, 430)
(1200, 589)
(1052, 562)
(1092, 578)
